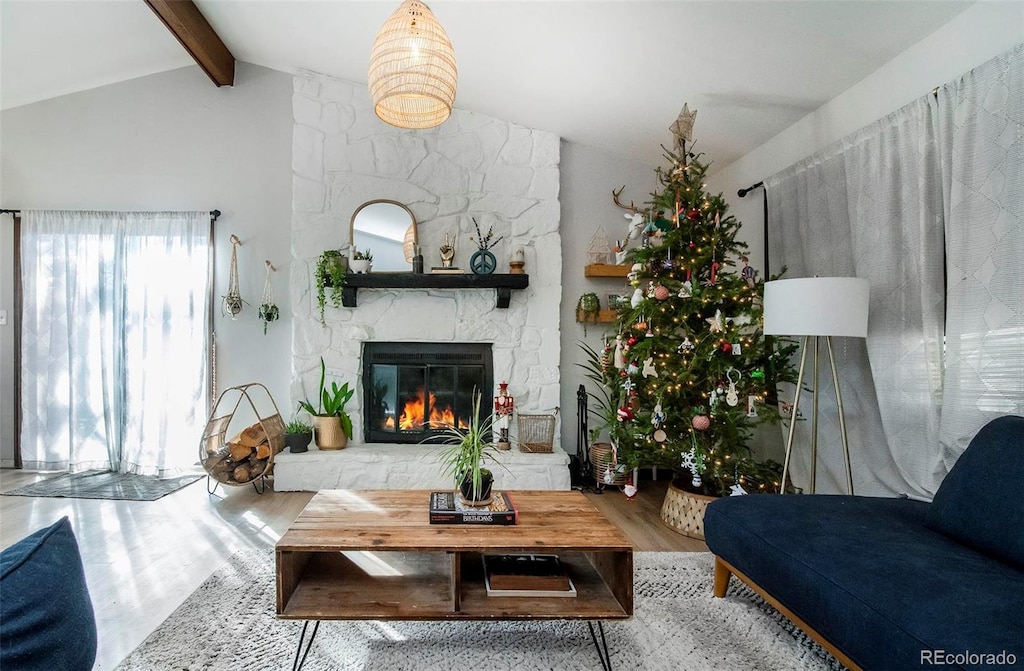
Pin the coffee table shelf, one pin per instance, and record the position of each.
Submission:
(372, 555)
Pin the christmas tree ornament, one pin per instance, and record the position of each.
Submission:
(757, 374)
(619, 358)
(637, 299)
(686, 346)
(648, 370)
(682, 128)
(625, 414)
(725, 346)
(632, 341)
(732, 398)
(737, 349)
(661, 292)
(737, 490)
(751, 406)
(686, 290)
(748, 273)
(715, 322)
(660, 435)
(658, 416)
(701, 422)
(742, 319)
(693, 215)
(634, 272)
(633, 368)
(629, 489)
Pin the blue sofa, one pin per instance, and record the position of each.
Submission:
(888, 583)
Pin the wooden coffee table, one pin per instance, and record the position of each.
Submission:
(373, 555)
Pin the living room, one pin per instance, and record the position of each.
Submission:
(292, 149)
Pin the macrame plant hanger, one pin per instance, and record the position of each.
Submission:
(233, 299)
(269, 312)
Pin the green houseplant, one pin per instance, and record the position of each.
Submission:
(330, 273)
(297, 435)
(361, 261)
(332, 424)
(466, 453)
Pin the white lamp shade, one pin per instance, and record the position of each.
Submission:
(817, 306)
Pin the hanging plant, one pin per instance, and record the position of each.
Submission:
(269, 311)
(232, 304)
(330, 273)
(588, 307)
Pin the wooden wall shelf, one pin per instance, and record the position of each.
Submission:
(502, 283)
(605, 270)
(603, 317)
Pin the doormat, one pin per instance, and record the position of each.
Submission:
(104, 485)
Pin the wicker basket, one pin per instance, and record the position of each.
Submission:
(601, 460)
(536, 433)
(683, 512)
(213, 450)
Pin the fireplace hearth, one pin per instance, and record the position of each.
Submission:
(415, 391)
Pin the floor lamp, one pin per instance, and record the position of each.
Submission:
(815, 308)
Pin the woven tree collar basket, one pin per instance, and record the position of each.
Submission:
(536, 433)
(683, 511)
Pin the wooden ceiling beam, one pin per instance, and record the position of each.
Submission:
(193, 31)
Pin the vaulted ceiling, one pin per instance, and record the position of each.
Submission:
(612, 75)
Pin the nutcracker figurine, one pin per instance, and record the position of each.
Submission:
(503, 406)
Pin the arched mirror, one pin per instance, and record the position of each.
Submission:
(388, 229)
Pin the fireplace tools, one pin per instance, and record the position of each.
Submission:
(579, 466)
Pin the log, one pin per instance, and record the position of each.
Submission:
(253, 436)
(241, 473)
(240, 452)
(263, 451)
(219, 466)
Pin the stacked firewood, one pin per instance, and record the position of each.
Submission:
(243, 459)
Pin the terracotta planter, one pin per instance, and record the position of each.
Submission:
(328, 433)
(683, 511)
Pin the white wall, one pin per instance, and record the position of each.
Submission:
(588, 177)
(980, 33)
(163, 142)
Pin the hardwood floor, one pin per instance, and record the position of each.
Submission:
(143, 559)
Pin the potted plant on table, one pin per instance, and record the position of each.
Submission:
(330, 272)
(464, 458)
(297, 435)
(362, 261)
(332, 425)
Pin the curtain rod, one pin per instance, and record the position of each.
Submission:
(743, 192)
(214, 214)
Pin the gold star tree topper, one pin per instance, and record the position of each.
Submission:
(682, 128)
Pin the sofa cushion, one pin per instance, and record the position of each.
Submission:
(46, 616)
(980, 502)
(867, 575)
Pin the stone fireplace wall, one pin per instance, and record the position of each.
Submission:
(472, 166)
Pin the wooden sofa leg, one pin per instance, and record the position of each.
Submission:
(722, 575)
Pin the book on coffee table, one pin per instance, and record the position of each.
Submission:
(448, 508)
(527, 575)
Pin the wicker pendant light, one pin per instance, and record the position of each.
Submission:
(412, 69)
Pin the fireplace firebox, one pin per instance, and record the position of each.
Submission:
(414, 391)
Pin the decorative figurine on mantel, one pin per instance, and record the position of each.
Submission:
(483, 262)
(447, 252)
(503, 406)
(518, 263)
(599, 247)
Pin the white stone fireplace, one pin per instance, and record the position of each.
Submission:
(502, 175)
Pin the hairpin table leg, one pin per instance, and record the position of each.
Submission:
(297, 663)
(602, 648)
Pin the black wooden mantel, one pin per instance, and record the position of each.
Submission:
(502, 283)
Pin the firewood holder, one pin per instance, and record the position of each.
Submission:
(213, 444)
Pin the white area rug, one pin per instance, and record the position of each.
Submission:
(229, 623)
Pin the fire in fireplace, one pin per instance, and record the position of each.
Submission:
(417, 390)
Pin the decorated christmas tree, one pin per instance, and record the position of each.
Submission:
(689, 367)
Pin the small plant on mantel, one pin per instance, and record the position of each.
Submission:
(330, 273)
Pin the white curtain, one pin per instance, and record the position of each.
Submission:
(982, 116)
(114, 339)
(934, 188)
(871, 206)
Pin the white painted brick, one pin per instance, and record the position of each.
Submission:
(307, 195)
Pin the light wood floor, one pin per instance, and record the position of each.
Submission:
(143, 559)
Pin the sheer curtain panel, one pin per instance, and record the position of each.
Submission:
(115, 325)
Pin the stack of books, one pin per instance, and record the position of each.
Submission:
(448, 508)
(439, 270)
(527, 575)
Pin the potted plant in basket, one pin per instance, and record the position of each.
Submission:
(464, 458)
(330, 272)
(298, 435)
(362, 261)
(332, 424)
